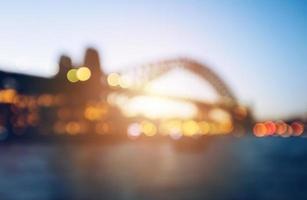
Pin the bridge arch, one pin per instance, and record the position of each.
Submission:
(149, 72)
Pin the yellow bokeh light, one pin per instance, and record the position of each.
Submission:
(170, 126)
(204, 127)
(148, 128)
(113, 79)
(72, 75)
(83, 74)
(93, 113)
(190, 128)
(7, 96)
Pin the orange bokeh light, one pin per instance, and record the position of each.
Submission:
(260, 130)
(281, 127)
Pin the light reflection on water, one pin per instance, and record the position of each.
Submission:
(231, 168)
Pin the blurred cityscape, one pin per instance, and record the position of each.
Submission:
(133, 143)
(129, 138)
(153, 100)
(84, 102)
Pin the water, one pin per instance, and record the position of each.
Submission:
(228, 168)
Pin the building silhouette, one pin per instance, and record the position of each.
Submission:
(67, 105)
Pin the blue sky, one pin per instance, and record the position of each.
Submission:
(258, 47)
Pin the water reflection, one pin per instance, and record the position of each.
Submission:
(231, 168)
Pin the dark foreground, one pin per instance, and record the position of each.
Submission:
(228, 168)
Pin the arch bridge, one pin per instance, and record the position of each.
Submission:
(141, 75)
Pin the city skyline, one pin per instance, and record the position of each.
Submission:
(258, 48)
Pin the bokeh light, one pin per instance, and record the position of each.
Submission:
(259, 130)
(83, 74)
(204, 127)
(72, 76)
(73, 128)
(289, 132)
(278, 128)
(298, 128)
(270, 127)
(281, 128)
(190, 128)
(113, 79)
(148, 128)
(134, 130)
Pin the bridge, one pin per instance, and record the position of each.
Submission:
(140, 76)
(87, 101)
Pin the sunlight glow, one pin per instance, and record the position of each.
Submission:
(183, 83)
(156, 107)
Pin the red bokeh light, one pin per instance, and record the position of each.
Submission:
(298, 128)
(281, 127)
(270, 127)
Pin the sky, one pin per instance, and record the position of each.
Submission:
(259, 47)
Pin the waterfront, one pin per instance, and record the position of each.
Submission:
(231, 168)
